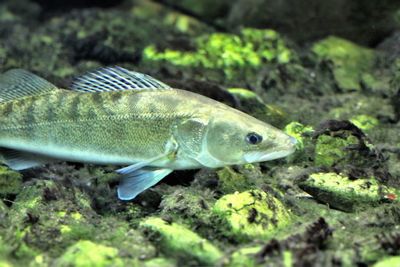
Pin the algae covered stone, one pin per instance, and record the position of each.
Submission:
(298, 131)
(252, 214)
(228, 52)
(250, 102)
(10, 181)
(244, 257)
(345, 194)
(179, 240)
(388, 262)
(86, 253)
(350, 61)
(330, 151)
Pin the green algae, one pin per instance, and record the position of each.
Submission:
(177, 239)
(86, 253)
(346, 194)
(244, 257)
(388, 262)
(252, 103)
(299, 131)
(251, 214)
(350, 61)
(364, 122)
(160, 262)
(330, 151)
(10, 181)
(231, 181)
(228, 52)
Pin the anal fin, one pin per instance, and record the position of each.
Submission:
(20, 160)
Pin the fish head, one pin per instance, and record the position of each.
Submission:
(234, 137)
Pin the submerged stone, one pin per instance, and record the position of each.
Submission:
(364, 122)
(330, 151)
(350, 61)
(251, 214)
(227, 52)
(230, 181)
(244, 257)
(179, 240)
(10, 181)
(86, 253)
(388, 262)
(299, 131)
(345, 194)
(250, 102)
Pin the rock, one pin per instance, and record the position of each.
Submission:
(230, 181)
(364, 122)
(300, 132)
(345, 194)
(350, 61)
(330, 151)
(176, 239)
(228, 53)
(252, 214)
(251, 103)
(10, 181)
(160, 262)
(388, 262)
(86, 253)
(244, 257)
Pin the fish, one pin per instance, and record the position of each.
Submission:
(114, 116)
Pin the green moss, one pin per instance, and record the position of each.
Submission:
(298, 130)
(345, 194)
(10, 181)
(5, 264)
(364, 122)
(331, 151)
(244, 257)
(86, 253)
(177, 239)
(160, 262)
(251, 214)
(229, 52)
(388, 262)
(251, 103)
(350, 61)
(231, 181)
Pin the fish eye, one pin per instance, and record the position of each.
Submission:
(253, 138)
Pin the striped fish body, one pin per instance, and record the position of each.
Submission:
(121, 127)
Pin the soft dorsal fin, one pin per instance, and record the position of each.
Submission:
(18, 83)
(116, 79)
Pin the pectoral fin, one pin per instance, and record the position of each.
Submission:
(136, 181)
(20, 160)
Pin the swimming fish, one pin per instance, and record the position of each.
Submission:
(120, 117)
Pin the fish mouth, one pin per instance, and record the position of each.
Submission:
(260, 156)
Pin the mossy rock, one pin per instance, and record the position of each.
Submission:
(230, 181)
(10, 181)
(175, 239)
(252, 214)
(350, 61)
(388, 262)
(233, 54)
(251, 103)
(330, 151)
(160, 262)
(365, 122)
(244, 257)
(345, 194)
(300, 132)
(86, 253)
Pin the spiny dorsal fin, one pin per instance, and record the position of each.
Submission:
(116, 79)
(18, 83)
